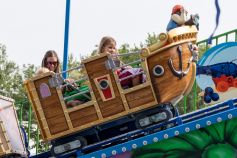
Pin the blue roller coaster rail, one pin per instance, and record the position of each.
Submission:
(185, 123)
(135, 139)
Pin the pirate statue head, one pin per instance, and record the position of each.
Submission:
(179, 18)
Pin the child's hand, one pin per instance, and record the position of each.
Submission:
(71, 81)
(128, 67)
(114, 55)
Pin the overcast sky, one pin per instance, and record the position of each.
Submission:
(31, 27)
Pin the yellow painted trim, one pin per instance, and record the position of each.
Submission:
(180, 35)
(93, 99)
(80, 106)
(38, 106)
(64, 107)
(98, 56)
(40, 76)
(31, 102)
(121, 91)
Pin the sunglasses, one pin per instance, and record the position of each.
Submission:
(52, 62)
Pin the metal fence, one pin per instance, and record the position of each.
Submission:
(230, 36)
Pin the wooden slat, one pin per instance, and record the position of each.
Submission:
(81, 106)
(94, 68)
(140, 97)
(112, 110)
(139, 94)
(83, 116)
(52, 108)
(46, 102)
(57, 124)
(64, 107)
(141, 102)
(110, 107)
(93, 99)
(29, 85)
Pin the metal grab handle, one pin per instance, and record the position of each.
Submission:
(130, 76)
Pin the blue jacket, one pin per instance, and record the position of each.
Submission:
(171, 25)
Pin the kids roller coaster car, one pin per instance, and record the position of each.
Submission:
(110, 109)
(224, 75)
(11, 139)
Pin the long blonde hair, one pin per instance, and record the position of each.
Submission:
(106, 40)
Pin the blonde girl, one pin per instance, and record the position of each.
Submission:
(108, 45)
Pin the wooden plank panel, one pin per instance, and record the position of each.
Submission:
(96, 69)
(52, 112)
(33, 103)
(57, 124)
(83, 116)
(141, 101)
(139, 93)
(140, 97)
(53, 93)
(113, 106)
(42, 80)
(112, 110)
(53, 90)
(49, 101)
(96, 66)
(110, 102)
(52, 108)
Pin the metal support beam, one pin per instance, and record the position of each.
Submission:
(66, 35)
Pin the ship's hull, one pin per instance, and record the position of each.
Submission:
(178, 72)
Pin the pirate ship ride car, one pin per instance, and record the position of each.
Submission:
(111, 110)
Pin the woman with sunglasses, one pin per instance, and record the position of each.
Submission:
(51, 62)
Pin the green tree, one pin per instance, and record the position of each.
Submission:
(11, 82)
(151, 39)
(73, 63)
(10, 76)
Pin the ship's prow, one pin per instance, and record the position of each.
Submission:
(171, 63)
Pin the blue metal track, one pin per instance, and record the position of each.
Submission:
(188, 122)
(138, 138)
